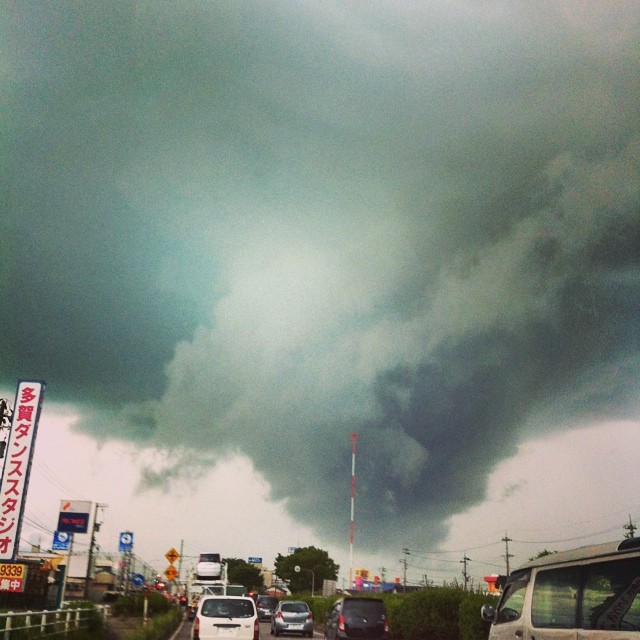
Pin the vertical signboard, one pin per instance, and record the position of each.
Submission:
(125, 542)
(61, 541)
(19, 454)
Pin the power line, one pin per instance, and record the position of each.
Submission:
(588, 535)
(53, 479)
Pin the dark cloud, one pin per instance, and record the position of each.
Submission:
(256, 228)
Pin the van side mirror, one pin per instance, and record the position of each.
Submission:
(488, 613)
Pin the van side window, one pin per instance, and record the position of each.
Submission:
(611, 596)
(553, 604)
(512, 602)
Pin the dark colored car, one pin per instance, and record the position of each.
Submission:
(266, 606)
(361, 618)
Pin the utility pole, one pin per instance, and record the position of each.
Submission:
(404, 564)
(94, 528)
(507, 555)
(465, 574)
(180, 561)
(631, 528)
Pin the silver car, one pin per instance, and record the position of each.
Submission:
(292, 616)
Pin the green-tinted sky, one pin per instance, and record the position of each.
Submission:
(276, 223)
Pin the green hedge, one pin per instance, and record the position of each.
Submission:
(437, 613)
(133, 605)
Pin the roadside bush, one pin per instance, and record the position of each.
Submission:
(320, 607)
(437, 613)
(393, 603)
(430, 613)
(96, 618)
(160, 627)
(133, 605)
(472, 627)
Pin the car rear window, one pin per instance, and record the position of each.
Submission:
(224, 608)
(294, 607)
(209, 557)
(267, 601)
(364, 608)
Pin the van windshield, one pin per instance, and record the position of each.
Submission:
(512, 602)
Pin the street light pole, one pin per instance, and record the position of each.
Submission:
(298, 569)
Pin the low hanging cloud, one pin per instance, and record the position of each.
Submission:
(276, 225)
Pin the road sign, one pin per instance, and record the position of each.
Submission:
(172, 555)
(125, 543)
(61, 541)
(171, 572)
(138, 579)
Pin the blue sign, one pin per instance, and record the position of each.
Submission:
(137, 579)
(254, 560)
(125, 544)
(61, 541)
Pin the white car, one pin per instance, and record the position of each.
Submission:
(226, 617)
(209, 566)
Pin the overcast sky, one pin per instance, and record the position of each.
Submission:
(234, 233)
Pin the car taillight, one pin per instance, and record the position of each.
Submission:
(310, 616)
(279, 615)
(196, 628)
(341, 622)
(386, 625)
(256, 629)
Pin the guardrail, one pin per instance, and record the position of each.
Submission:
(58, 623)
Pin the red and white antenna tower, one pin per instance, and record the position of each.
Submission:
(352, 529)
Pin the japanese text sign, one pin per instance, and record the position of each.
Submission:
(13, 577)
(17, 465)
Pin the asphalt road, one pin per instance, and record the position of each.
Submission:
(184, 632)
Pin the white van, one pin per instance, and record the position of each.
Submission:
(226, 617)
(585, 594)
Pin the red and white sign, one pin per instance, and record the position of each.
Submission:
(17, 464)
(13, 577)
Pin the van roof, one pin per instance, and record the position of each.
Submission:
(586, 553)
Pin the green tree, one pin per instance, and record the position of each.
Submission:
(315, 566)
(241, 572)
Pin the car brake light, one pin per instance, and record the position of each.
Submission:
(386, 625)
(341, 622)
(256, 629)
(196, 628)
(279, 614)
(310, 616)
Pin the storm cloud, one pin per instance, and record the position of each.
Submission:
(257, 228)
